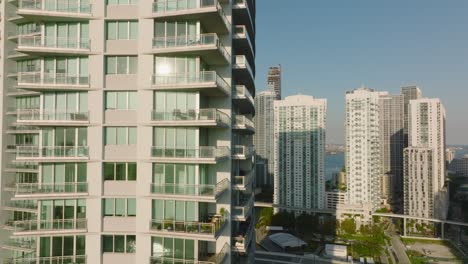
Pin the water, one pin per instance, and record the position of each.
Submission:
(333, 164)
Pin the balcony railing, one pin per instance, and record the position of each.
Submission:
(243, 208)
(240, 150)
(214, 115)
(196, 41)
(243, 180)
(241, 62)
(56, 79)
(242, 242)
(212, 190)
(51, 115)
(243, 121)
(48, 225)
(52, 152)
(21, 204)
(200, 78)
(190, 153)
(76, 259)
(188, 227)
(159, 258)
(60, 6)
(54, 42)
(241, 92)
(20, 245)
(51, 188)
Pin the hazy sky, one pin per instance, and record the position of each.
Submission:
(327, 47)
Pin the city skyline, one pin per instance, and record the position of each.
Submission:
(360, 44)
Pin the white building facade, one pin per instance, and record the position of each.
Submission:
(127, 131)
(363, 149)
(425, 165)
(299, 143)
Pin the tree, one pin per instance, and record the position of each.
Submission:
(266, 216)
(349, 226)
(283, 219)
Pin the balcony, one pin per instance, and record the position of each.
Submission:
(50, 10)
(191, 118)
(243, 209)
(158, 258)
(40, 45)
(207, 82)
(242, 242)
(241, 152)
(243, 99)
(243, 182)
(208, 46)
(50, 189)
(59, 260)
(51, 153)
(243, 71)
(28, 206)
(52, 81)
(20, 245)
(36, 227)
(200, 155)
(209, 12)
(202, 192)
(51, 117)
(242, 39)
(243, 15)
(243, 124)
(200, 230)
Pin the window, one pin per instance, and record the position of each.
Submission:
(122, 2)
(119, 243)
(119, 207)
(120, 135)
(125, 100)
(122, 30)
(120, 171)
(121, 64)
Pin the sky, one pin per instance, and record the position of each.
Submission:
(328, 47)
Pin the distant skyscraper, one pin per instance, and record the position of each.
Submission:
(300, 152)
(459, 166)
(274, 80)
(425, 192)
(409, 93)
(363, 165)
(392, 144)
(264, 131)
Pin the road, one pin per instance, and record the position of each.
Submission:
(397, 249)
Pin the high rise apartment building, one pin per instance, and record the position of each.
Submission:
(363, 148)
(274, 80)
(391, 115)
(264, 132)
(409, 93)
(425, 192)
(299, 142)
(127, 131)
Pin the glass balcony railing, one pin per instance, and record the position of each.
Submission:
(242, 241)
(54, 42)
(241, 62)
(190, 153)
(214, 115)
(20, 244)
(159, 258)
(60, 6)
(241, 92)
(245, 180)
(45, 79)
(21, 204)
(51, 115)
(76, 259)
(243, 121)
(52, 152)
(47, 225)
(188, 227)
(243, 208)
(202, 40)
(241, 150)
(210, 190)
(51, 188)
(200, 78)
